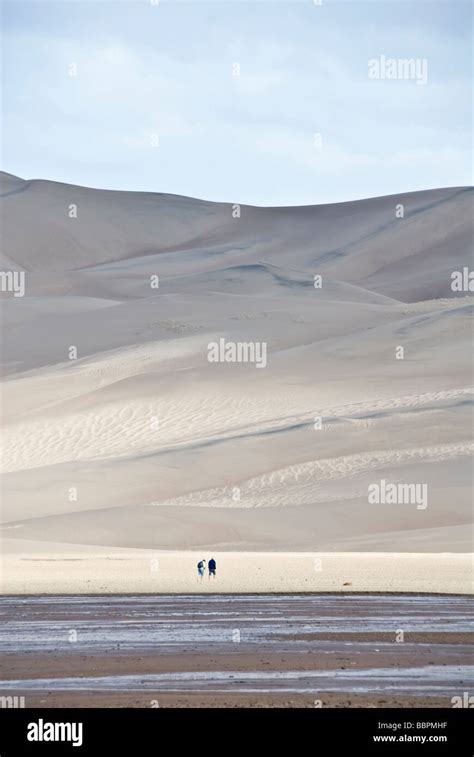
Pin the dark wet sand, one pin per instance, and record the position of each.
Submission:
(307, 651)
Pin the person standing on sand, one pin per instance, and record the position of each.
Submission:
(212, 568)
(201, 566)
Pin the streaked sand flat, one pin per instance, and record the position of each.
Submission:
(255, 650)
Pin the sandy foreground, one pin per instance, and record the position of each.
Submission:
(106, 571)
(311, 650)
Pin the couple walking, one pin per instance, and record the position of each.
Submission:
(201, 566)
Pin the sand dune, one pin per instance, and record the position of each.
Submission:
(140, 441)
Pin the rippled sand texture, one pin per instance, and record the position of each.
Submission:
(140, 442)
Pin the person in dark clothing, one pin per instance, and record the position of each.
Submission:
(212, 568)
(201, 566)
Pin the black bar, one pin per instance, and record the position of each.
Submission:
(221, 731)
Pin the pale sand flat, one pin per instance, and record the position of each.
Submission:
(82, 571)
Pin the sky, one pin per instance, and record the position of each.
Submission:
(262, 102)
